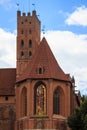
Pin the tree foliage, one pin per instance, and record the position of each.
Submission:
(78, 121)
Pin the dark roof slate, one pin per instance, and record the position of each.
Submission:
(44, 59)
(7, 81)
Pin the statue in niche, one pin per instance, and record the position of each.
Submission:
(40, 100)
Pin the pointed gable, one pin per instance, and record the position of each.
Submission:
(43, 65)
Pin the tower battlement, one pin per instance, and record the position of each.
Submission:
(21, 14)
(30, 20)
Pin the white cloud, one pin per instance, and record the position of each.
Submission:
(70, 51)
(78, 17)
(7, 4)
(2, 1)
(7, 48)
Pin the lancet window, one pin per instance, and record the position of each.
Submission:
(56, 102)
(24, 102)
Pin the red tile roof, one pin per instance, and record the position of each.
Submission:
(45, 60)
(7, 81)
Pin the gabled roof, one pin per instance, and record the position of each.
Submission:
(45, 60)
(7, 81)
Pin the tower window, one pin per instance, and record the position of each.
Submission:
(6, 98)
(22, 54)
(56, 102)
(22, 31)
(25, 20)
(30, 31)
(21, 22)
(30, 43)
(30, 54)
(22, 43)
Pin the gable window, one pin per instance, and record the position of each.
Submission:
(56, 102)
(40, 99)
(40, 70)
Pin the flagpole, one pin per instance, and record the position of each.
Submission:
(29, 5)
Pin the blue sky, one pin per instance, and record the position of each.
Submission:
(65, 24)
(53, 13)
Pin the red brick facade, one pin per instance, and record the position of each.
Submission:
(38, 92)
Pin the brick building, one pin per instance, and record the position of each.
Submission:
(37, 94)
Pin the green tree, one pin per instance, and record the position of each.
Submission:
(78, 121)
(85, 122)
(75, 121)
(83, 109)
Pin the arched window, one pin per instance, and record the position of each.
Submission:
(56, 102)
(24, 102)
(30, 43)
(22, 43)
(40, 99)
(30, 54)
(40, 70)
(22, 54)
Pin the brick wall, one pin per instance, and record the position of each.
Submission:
(7, 116)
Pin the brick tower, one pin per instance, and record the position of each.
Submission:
(28, 38)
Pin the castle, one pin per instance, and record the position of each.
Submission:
(37, 94)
